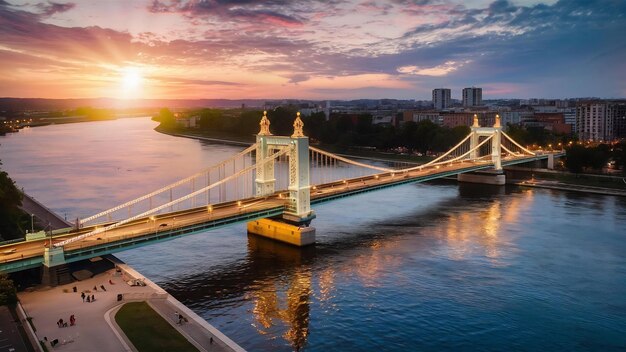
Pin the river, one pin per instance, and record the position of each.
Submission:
(429, 267)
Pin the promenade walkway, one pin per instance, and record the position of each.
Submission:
(43, 215)
(95, 329)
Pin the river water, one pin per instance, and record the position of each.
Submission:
(428, 267)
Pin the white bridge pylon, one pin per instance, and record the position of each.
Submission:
(287, 163)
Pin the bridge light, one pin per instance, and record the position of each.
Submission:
(209, 208)
(376, 177)
(344, 182)
(393, 174)
(239, 203)
(314, 187)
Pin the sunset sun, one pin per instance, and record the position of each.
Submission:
(131, 79)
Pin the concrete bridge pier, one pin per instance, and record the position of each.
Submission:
(55, 270)
(488, 177)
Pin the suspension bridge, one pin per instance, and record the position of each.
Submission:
(278, 177)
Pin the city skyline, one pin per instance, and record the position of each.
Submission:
(255, 49)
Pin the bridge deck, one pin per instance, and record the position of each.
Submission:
(23, 255)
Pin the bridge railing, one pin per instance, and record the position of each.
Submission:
(185, 186)
(229, 181)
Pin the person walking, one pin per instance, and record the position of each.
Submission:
(82, 295)
(72, 320)
(93, 298)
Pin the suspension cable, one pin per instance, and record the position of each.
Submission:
(166, 188)
(174, 202)
(514, 142)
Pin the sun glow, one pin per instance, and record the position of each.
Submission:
(131, 83)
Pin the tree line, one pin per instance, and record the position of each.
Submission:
(13, 221)
(580, 158)
(342, 130)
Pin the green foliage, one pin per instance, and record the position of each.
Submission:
(93, 114)
(8, 295)
(579, 157)
(619, 156)
(148, 331)
(166, 118)
(12, 218)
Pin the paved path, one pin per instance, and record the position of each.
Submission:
(572, 187)
(43, 215)
(10, 339)
(92, 332)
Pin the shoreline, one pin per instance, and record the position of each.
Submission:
(96, 328)
(570, 187)
(198, 331)
(537, 184)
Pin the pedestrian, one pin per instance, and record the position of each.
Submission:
(88, 299)
(111, 282)
(82, 295)
(93, 298)
(72, 320)
(211, 340)
(102, 287)
(95, 288)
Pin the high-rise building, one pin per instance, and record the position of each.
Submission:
(594, 120)
(472, 96)
(441, 98)
(619, 120)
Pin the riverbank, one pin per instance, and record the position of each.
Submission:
(537, 183)
(44, 305)
(369, 155)
(95, 328)
(45, 217)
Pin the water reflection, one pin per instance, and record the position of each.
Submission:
(271, 308)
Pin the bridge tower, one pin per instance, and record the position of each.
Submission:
(293, 227)
(265, 179)
(496, 175)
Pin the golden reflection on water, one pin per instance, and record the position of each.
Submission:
(465, 232)
(283, 303)
(272, 309)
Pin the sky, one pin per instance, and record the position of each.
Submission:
(312, 49)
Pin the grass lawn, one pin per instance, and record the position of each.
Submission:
(148, 331)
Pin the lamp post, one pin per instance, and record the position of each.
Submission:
(49, 227)
(153, 223)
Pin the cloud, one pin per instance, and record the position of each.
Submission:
(262, 12)
(310, 46)
(440, 70)
(50, 8)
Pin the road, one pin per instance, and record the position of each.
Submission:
(146, 226)
(43, 215)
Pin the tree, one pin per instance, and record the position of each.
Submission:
(166, 118)
(12, 218)
(619, 155)
(578, 157)
(575, 158)
(8, 294)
